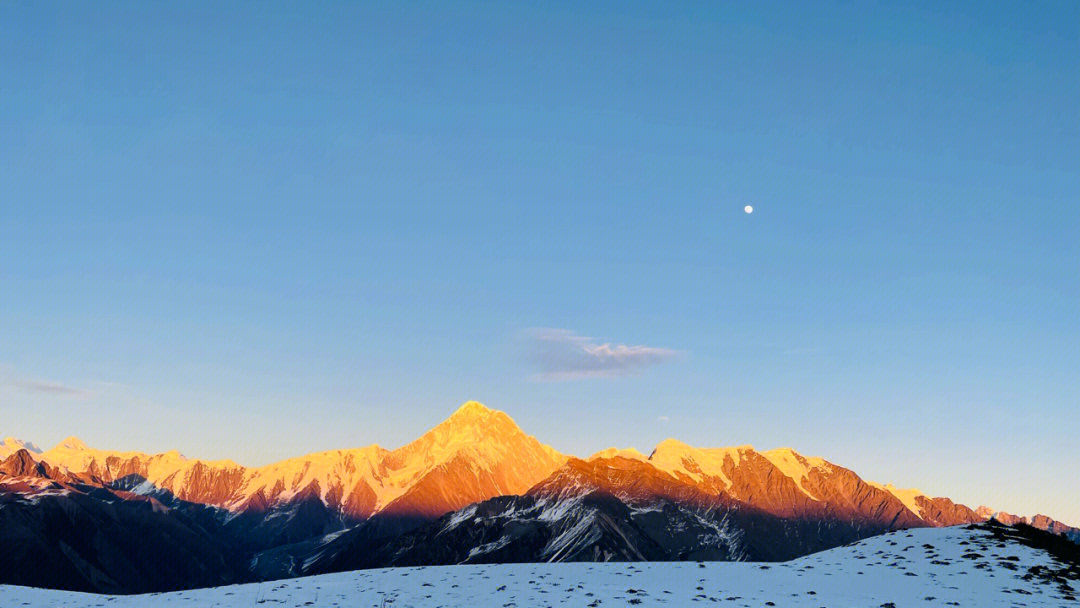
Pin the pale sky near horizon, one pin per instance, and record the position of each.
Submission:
(257, 230)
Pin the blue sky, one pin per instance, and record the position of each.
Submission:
(258, 230)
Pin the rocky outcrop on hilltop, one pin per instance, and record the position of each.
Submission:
(1040, 522)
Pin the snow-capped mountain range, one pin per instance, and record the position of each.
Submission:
(475, 488)
(476, 453)
(10, 445)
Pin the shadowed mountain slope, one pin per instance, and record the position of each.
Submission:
(475, 488)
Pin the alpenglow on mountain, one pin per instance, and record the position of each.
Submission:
(475, 488)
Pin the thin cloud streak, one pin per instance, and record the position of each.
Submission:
(561, 355)
(31, 385)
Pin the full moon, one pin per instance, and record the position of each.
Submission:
(748, 209)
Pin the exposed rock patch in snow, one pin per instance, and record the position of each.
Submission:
(924, 567)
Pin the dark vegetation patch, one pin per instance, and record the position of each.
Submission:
(1066, 554)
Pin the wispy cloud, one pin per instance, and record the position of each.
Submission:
(34, 385)
(38, 386)
(561, 354)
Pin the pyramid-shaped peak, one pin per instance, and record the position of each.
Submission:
(175, 455)
(21, 464)
(476, 414)
(21, 455)
(488, 437)
(73, 443)
(472, 409)
(470, 423)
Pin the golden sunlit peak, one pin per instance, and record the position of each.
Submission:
(614, 452)
(670, 443)
(73, 443)
(473, 408)
(473, 414)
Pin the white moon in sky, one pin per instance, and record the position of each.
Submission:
(748, 209)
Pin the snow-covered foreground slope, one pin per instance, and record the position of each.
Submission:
(957, 566)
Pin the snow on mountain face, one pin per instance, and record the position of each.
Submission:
(796, 467)
(680, 502)
(478, 453)
(613, 452)
(907, 496)
(622, 508)
(171, 472)
(614, 509)
(701, 465)
(617, 508)
(784, 483)
(74, 444)
(10, 445)
(475, 454)
(633, 481)
(958, 566)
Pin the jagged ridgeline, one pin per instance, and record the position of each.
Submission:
(474, 489)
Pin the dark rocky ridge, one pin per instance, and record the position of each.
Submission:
(131, 535)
